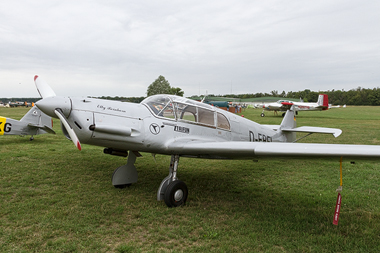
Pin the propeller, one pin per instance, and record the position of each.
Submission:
(68, 127)
(55, 106)
(43, 88)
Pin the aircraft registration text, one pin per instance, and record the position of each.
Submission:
(4, 126)
(259, 137)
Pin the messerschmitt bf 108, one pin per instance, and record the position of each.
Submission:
(180, 127)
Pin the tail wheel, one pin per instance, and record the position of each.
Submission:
(175, 194)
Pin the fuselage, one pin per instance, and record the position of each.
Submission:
(156, 121)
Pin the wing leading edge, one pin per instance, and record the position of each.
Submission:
(251, 150)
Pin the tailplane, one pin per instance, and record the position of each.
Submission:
(288, 128)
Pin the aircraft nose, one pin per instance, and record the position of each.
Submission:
(49, 104)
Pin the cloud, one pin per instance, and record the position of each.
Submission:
(118, 48)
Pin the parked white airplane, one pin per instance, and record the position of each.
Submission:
(176, 126)
(284, 105)
(33, 123)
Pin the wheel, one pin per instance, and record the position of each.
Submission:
(31, 138)
(175, 194)
(262, 115)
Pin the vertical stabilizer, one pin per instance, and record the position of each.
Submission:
(32, 116)
(289, 122)
(37, 119)
(323, 101)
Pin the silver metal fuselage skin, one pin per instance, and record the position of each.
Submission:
(134, 127)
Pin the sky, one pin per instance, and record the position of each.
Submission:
(118, 48)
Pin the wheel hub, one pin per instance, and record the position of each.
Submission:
(178, 195)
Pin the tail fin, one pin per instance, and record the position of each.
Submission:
(323, 101)
(289, 122)
(37, 119)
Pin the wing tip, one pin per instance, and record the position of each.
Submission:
(35, 77)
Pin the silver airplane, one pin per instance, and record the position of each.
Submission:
(33, 123)
(180, 127)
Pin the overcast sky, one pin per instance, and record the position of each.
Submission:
(118, 47)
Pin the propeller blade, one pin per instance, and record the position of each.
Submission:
(69, 129)
(43, 88)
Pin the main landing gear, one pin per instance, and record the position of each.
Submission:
(173, 191)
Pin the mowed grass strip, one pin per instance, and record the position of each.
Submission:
(55, 198)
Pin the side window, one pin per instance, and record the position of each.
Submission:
(223, 121)
(186, 112)
(206, 116)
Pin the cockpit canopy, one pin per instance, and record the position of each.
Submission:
(183, 109)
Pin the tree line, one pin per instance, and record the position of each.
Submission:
(358, 96)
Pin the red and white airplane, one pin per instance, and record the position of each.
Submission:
(284, 105)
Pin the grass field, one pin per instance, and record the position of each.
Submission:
(54, 198)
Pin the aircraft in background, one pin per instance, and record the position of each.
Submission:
(180, 127)
(18, 103)
(284, 105)
(3, 105)
(33, 123)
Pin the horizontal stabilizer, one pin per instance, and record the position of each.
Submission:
(307, 129)
(321, 130)
(45, 128)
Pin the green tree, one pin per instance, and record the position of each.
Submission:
(162, 86)
(159, 86)
(176, 91)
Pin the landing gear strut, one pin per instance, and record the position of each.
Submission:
(173, 191)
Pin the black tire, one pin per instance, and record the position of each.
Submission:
(262, 115)
(176, 194)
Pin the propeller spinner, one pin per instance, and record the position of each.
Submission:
(57, 107)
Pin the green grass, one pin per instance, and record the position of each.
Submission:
(54, 198)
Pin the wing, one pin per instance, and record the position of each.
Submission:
(252, 150)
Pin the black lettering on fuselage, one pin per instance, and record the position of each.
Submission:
(260, 137)
(251, 136)
(7, 127)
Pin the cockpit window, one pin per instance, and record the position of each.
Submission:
(206, 116)
(178, 108)
(195, 114)
(186, 112)
(161, 106)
